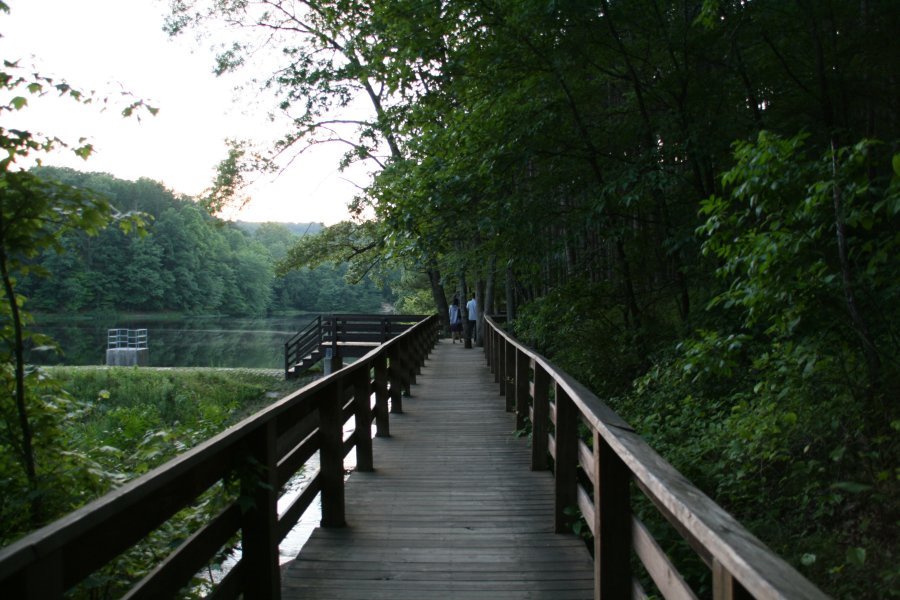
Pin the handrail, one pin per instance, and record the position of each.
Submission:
(742, 566)
(302, 344)
(264, 451)
(347, 335)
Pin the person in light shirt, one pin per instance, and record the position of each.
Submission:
(472, 310)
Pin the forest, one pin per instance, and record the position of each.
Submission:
(185, 261)
(692, 206)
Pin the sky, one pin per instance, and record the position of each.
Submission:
(118, 45)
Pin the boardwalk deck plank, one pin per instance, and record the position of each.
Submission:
(452, 509)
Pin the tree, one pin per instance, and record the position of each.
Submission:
(34, 213)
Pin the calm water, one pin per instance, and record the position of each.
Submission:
(174, 342)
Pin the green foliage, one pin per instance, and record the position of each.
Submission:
(773, 411)
(187, 261)
(149, 416)
(118, 423)
(604, 357)
(35, 214)
(560, 151)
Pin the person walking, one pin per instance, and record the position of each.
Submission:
(472, 310)
(456, 322)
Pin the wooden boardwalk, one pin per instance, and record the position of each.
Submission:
(452, 509)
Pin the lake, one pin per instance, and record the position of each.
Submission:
(186, 341)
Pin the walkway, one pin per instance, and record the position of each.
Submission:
(452, 509)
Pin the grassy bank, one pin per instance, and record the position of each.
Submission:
(107, 425)
(130, 420)
(99, 427)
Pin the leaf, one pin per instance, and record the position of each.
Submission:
(895, 161)
(807, 559)
(856, 556)
(19, 102)
(851, 486)
(838, 453)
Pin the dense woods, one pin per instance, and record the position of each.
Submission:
(692, 206)
(186, 261)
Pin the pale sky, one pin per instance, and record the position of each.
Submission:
(115, 45)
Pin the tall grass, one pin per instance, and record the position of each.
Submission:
(129, 420)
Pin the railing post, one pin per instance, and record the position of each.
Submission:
(489, 345)
(523, 379)
(496, 348)
(395, 377)
(725, 586)
(539, 425)
(362, 403)
(510, 370)
(382, 420)
(331, 454)
(566, 466)
(259, 524)
(420, 351)
(410, 366)
(500, 375)
(612, 523)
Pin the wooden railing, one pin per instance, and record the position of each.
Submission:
(742, 566)
(303, 346)
(263, 451)
(347, 336)
(353, 335)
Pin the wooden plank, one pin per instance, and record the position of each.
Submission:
(565, 467)
(664, 574)
(362, 404)
(331, 456)
(453, 510)
(612, 523)
(259, 524)
(176, 571)
(509, 389)
(540, 419)
(523, 388)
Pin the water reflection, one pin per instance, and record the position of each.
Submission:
(174, 342)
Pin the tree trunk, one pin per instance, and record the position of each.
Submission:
(440, 298)
(490, 285)
(479, 322)
(870, 351)
(510, 294)
(27, 449)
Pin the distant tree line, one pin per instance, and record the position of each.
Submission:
(187, 261)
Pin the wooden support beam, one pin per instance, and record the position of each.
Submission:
(362, 404)
(565, 468)
(259, 524)
(523, 387)
(540, 423)
(331, 454)
(725, 586)
(510, 383)
(382, 419)
(395, 378)
(612, 523)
